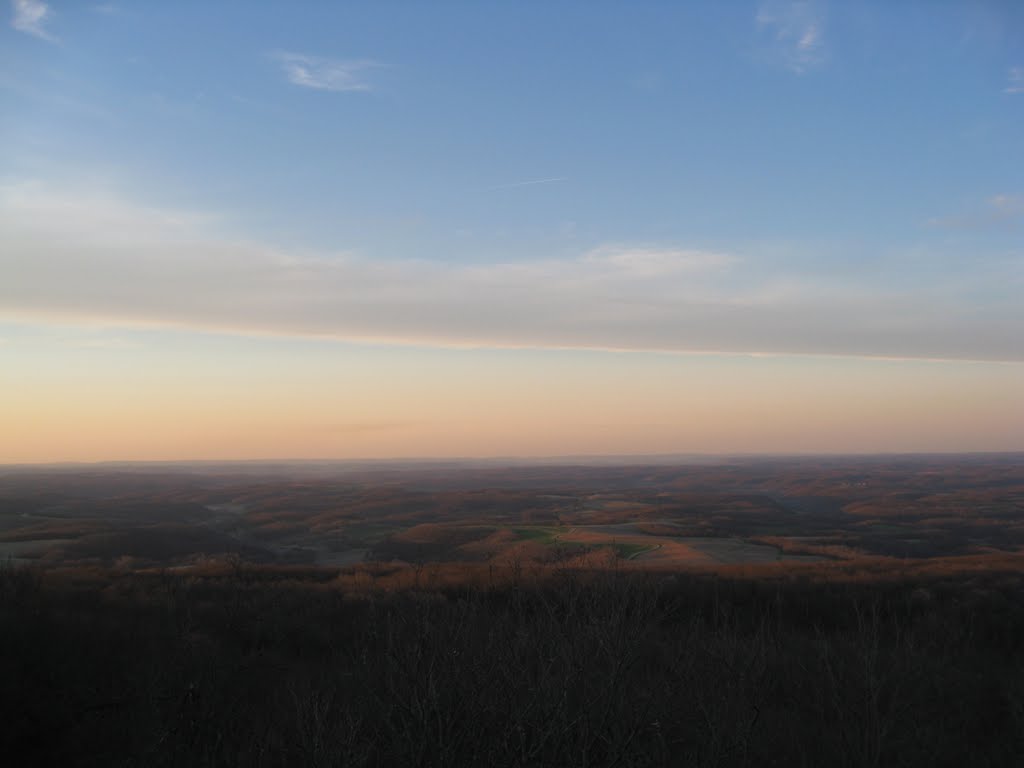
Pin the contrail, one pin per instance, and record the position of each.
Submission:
(528, 183)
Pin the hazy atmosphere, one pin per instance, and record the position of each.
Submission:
(518, 384)
(318, 230)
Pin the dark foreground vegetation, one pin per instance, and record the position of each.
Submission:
(273, 666)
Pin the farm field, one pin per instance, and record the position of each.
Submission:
(738, 512)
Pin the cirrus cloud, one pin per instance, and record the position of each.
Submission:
(325, 74)
(798, 32)
(70, 258)
(30, 17)
(1015, 80)
(998, 210)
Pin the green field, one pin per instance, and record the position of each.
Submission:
(545, 535)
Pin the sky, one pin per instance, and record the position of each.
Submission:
(254, 230)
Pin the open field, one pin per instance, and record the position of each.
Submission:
(732, 513)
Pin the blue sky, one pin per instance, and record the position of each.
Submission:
(843, 179)
(705, 122)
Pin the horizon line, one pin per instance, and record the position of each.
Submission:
(631, 458)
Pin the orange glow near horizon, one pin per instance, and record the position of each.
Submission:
(217, 397)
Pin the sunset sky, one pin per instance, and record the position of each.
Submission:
(338, 230)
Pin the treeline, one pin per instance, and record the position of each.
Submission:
(285, 667)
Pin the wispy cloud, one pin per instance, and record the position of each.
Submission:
(798, 32)
(365, 427)
(998, 209)
(30, 17)
(1015, 80)
(86, 260)
(528, 183)
(1007, 206)
(104, 343)
(649, 262)
(326, 74)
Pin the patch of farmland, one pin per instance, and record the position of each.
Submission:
(734, 551)
(613, 505)
(636, 547)
(21, 552)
